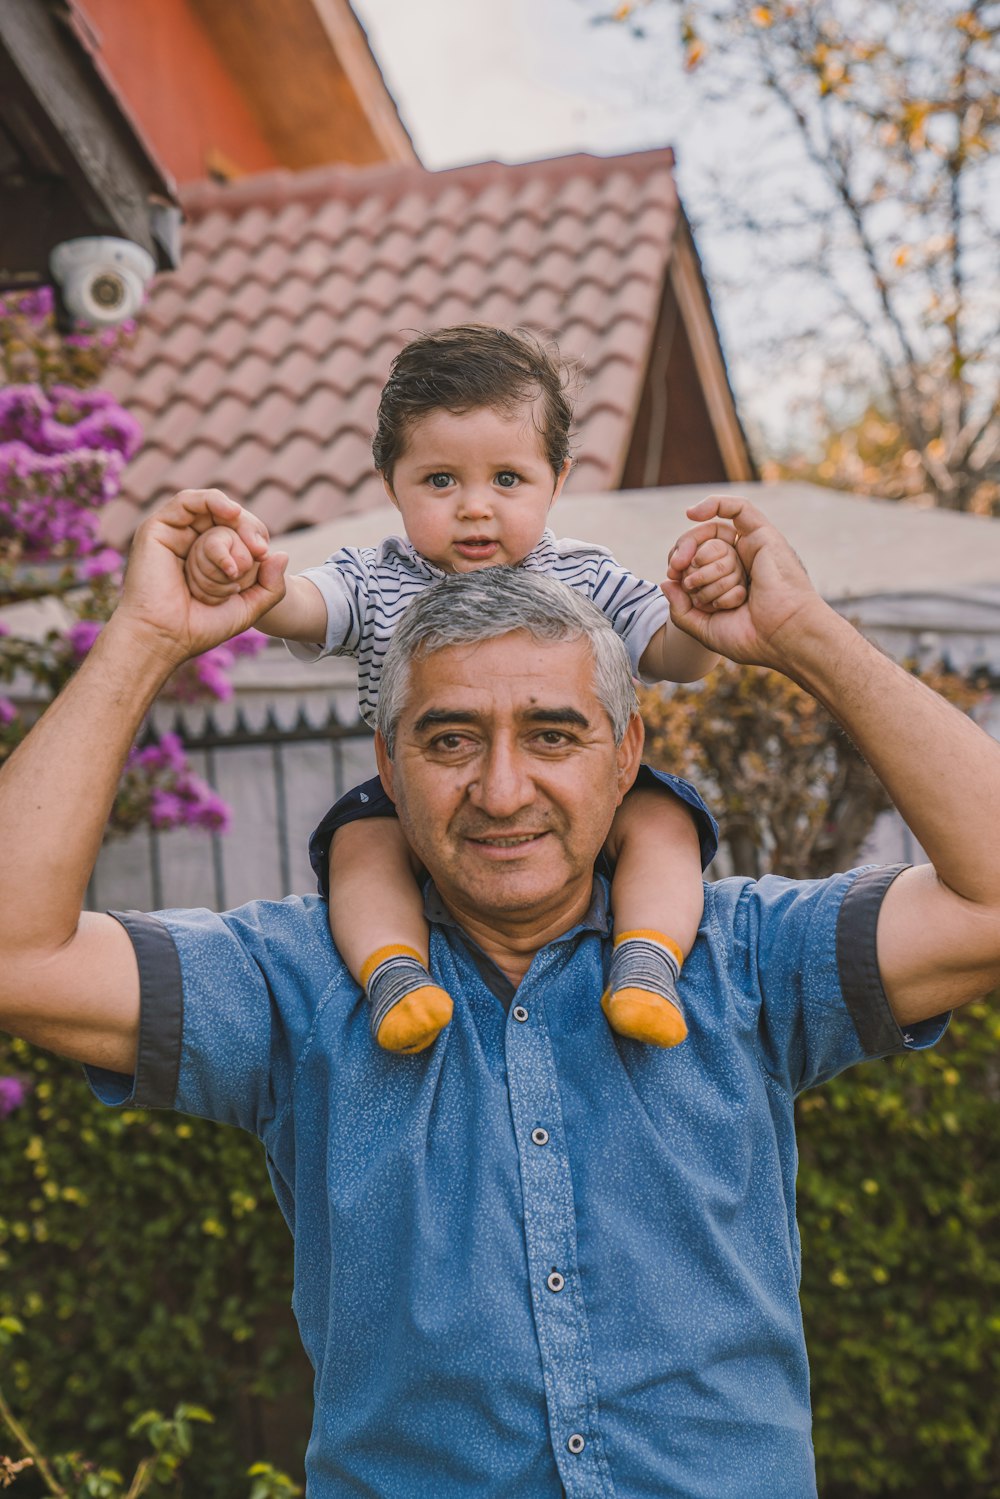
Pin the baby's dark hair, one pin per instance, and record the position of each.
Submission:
(467, 368)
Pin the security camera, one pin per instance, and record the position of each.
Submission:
(101, 281)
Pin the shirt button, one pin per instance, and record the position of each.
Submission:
(555, 1281)
(576, 1444)
(520, 1013)
(539, 1136)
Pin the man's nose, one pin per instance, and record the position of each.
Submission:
(503, 786)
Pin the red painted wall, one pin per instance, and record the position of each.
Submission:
(176, 86)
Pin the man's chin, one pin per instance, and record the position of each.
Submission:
(513, 888)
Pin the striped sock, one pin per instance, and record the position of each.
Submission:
(408, 1008)
(641, 1000)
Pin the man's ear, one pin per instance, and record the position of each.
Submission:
(384, 763)
(630, 754)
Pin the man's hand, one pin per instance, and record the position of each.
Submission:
(221, 563)
(709, 571)
(157, 600)
(762, 630)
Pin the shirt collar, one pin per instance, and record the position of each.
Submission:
(597, 918)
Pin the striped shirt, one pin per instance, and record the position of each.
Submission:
(366, 590)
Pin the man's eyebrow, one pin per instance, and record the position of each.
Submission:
(435, 717)
(558, 715)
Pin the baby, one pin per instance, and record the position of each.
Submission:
(472, 445)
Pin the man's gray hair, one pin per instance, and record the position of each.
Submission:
(468, 608)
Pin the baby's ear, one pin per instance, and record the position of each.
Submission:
(561, 478)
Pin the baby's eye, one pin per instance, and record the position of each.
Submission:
(507, 479)
(440, 480)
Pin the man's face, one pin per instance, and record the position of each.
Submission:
(506, 775)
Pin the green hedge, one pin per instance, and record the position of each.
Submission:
(899, 1211)
(147, 1259)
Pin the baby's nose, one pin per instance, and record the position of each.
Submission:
(475, 501)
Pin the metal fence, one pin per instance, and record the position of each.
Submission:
(278, 781)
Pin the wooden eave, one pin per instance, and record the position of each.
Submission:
(310, 79)
(688, 284)
(71, 160)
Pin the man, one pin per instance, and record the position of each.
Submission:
(536, 1259)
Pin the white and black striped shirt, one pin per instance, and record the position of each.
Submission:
(366, 590)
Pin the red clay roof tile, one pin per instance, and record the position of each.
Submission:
(260, 363)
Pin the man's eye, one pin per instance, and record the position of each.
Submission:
(440, 481)
(553, 738)
(507, 479)
(450, 741)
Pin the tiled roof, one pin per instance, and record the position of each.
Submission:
(260, 361)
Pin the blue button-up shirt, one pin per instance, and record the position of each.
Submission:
(537, 1259)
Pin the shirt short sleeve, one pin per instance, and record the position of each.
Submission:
(635, 608)
(227, 1007)
(344, 582)
(811, 946)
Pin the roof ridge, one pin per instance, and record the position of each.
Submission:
(393, 180)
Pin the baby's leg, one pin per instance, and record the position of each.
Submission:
(657, 900)
(378, 925)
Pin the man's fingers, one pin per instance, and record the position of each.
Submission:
(200, 508)
(253, 534)
(271, 576)
(745, 518)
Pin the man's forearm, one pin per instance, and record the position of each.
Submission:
(941, 771)
(57, 789)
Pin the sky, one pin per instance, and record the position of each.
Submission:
(516, 80)
(477, 79)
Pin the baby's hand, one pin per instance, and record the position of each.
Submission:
(220, 563)
(710, 571)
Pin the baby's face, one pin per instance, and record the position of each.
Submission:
(474, 489)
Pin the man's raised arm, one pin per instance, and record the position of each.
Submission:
(939, 926)
(68, 980)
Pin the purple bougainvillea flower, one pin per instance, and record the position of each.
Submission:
(250, 643)
(8, 712)
(13, 1092)
(82, 635)
(166, 808)
(102, 564)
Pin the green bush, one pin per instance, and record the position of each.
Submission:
(899, 1211)
(147, 1260)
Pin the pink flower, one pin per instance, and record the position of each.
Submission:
(103, 564)
(250, 643)
(209, 810)
(166, 809)
(13, 1092)
(210, 672)
(82, 635)
(8, 712)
